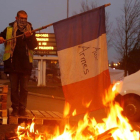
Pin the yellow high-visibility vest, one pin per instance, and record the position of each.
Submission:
(6, 55)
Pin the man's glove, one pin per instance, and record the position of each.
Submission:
(2, 40)
(27, 34)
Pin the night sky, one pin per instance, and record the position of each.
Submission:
(44, 12)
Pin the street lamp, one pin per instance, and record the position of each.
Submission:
(86, 2)
(67, 8)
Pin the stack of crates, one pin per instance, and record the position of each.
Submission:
(3, 104)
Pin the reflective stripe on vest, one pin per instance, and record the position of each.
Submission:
(8, 44)
(6, 55)
(30, 53)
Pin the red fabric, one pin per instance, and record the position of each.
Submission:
(93, 89)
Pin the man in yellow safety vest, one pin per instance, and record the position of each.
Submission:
(18, 58)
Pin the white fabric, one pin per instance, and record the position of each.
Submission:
(79, 64)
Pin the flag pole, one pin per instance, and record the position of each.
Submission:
(107, 4)
(38, 29)
(41, 28)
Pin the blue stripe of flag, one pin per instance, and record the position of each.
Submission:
(80, 28)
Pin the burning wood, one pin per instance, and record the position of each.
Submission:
(114, 127)
(106, 135)
(23, 136)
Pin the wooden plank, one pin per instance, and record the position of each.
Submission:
(3, 113)
(13, 120)
(46, 114)
(4, 89)
(63, 120)
(38, 121)
(29, 114)
(3, 97)
(3, 105)
(58, 114)
(3, 120)
(52, 114)
(38, 116)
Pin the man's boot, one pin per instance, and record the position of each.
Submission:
(14, 111)
(22, 112)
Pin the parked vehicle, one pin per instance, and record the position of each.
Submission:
(129, 92)
(130, 96)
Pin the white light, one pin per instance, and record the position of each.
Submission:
(44, 43)
(44, 48)
(41, 35)
(42, 39)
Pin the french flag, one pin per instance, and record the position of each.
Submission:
(82, 53)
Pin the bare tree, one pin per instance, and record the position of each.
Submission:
(85, 6)
(127, 32)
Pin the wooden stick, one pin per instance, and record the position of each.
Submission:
(107, 4)
(38, 29)
(107, 134)
(43, 27)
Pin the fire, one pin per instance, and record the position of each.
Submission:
(115, 126)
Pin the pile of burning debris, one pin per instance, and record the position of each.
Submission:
(26, 132)
(114, 127)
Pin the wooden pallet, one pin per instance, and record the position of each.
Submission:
(3, 113)
(40, 117)
(3, 120)
(3, 105)
(4, 89)
(3, 97)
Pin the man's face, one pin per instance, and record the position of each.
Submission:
(21, 21)
(22, 16)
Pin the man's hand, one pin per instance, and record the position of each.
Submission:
(27, 34)
(2, 40)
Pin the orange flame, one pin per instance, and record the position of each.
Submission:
(115, 125)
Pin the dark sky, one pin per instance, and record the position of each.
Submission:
(44, 12)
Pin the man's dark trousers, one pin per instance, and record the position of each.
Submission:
(19, 91)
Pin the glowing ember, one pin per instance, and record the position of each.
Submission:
(115, 126)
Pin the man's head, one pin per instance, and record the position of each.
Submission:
(21, 12)
(21, 15)
(21, 19)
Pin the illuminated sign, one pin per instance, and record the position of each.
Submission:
(46, 44)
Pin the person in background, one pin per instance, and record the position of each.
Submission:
(18, 58)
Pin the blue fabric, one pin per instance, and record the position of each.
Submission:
(80, 28)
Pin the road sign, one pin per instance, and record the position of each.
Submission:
(46, 44)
